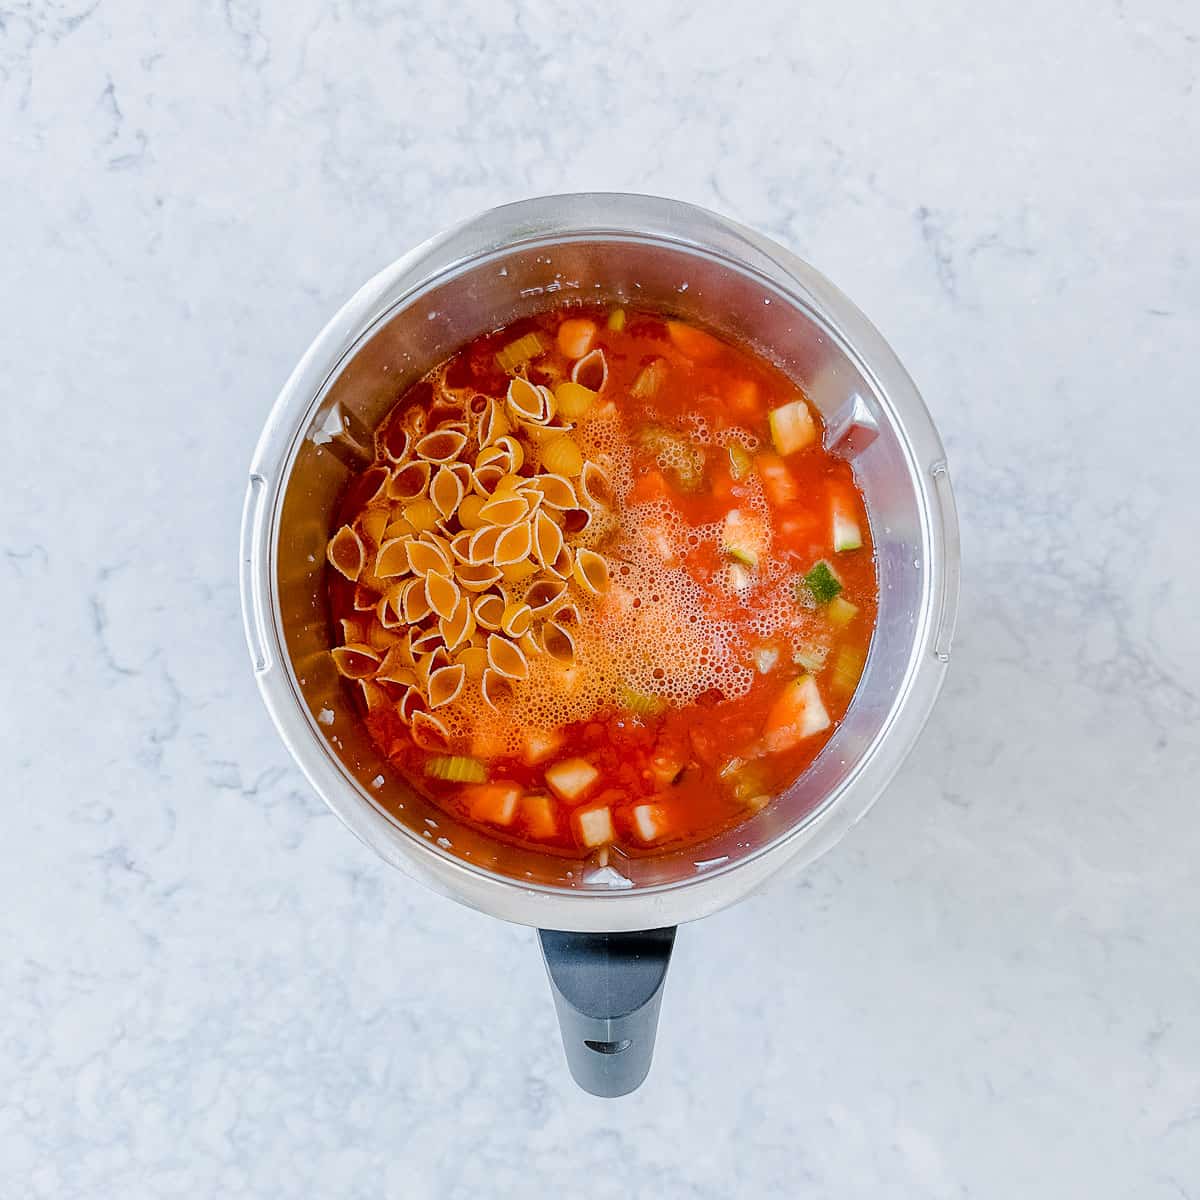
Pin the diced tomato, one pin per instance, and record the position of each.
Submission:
(649, 486)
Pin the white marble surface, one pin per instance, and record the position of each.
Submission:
(990, 989)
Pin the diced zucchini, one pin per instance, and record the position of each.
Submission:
(792, 427)
(541, 744)
(642, 705)
(456, 768)
(840, 611)
(495, 803)
(594, 826)
(649, 821)
(742, 538)
(538, 813)
(846, 533)
(822, 583)
(798, 713)
(740, 462)
(571, 779)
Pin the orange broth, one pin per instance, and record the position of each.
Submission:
(661, 774)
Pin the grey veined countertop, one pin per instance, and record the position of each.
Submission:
(990, 989)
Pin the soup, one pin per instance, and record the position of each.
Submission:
(602, 587)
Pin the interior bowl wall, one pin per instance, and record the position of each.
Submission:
(423, 329)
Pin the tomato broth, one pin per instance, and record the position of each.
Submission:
(602, 586)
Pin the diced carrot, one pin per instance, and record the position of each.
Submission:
(538, 812)
(495, 803)
(743, 398)
(650, 486)
(695, 343)
(778, 482)
(575, 336)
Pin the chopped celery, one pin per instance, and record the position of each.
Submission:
(846, 533)
(649, 379)
(456, 768)
(739, 577)
(840, 611)
(823, 585)
(520, 351)
(792, 427)
(811, 658)
(739, 461)
(616, 320)
(742, 538)
(642, 705)
(847, 668)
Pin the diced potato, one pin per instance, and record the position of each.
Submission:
(571, 779)
(650, 821)
(541, 744)
(792, 427)
(538, 812)
(796, 715)
(594, 826)
(575, 336)
(495, 803)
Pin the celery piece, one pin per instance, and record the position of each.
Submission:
(642, 705)
(616, 320)
(518, 352)
(456, 768)
(739, 461)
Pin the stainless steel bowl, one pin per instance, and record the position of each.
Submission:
(508, 263)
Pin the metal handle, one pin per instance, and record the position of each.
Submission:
(607, 988)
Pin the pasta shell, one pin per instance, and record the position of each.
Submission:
(489, 611)
(564, 564)
(468, 511)
(428, 663)
(411, 703)
(591, 371)
(576, 520)
(374, 697)
(505, 658)
(397, 665)
(557, 492)
(497, 690)
(429, 733)
(476, 577)
(493, 423)
(424, 557)
(392, 559)
(506, 510)
(446, 492)
(442, 445)
(443, 593)
(354, 629)
(372, 484)
(513, 545)
(516, 455)
(515, 572)
(356, 661)
(346, 553)
(494, 456)
(413, 419)
(427, 641)
(398, 527)
(516, 619)
(527, 402)
(414, 604)
(410, 482)
(445, 685)
(396, 442)
(484, 479)
(474, 660)
(558, 643)
(372, 523)
(529, 643)
(544, 594)
(561, 456)
(547, 538)
(382, 639)
(566, 614)
(422, 515)
(482, 546)
(595, 487)
(459, 626)
(591, 572)
(365, 597)
(461, 471)
(460, 547)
